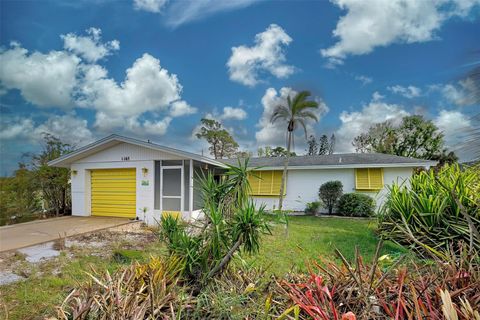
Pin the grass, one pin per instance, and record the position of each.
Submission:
(313, 237)
(308, 238)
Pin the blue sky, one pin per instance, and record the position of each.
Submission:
(152, 69)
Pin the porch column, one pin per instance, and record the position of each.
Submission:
(190, 188)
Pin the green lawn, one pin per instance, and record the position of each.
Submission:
(313, 237)
(308, 238)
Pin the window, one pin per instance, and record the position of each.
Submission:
(265, 183)
(369, 179)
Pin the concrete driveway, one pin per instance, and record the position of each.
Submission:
(30, 233)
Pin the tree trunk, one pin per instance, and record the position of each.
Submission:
(284, 176)
(224, 262)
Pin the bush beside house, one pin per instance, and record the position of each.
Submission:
(356, 205)
(329, 193)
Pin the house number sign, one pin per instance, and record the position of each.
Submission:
(126, 158)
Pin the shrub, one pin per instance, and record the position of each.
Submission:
(356, 205)
(435, 212)
(367, 291)
(329, 193)
(313, 207)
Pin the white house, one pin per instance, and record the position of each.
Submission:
(125, 177)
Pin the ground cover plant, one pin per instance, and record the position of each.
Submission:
(438, 210)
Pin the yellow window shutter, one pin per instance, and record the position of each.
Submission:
(376, 178)
(369, 179)
(265, 182)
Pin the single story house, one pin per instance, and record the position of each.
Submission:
(125, 177)
(368, 173)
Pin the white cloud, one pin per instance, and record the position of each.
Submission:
(46, 80)
(356, 122)
(157, 127)
(364, 79)
(230, 113)
(379, 23)
(461, 94)
(69, 128)
(185, 11)
(274, 134)
(149, 5)
(267, 55)
(89, 47)
(181, 108)
(409, 92)
(454, 126)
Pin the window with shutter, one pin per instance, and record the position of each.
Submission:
(265, 182)
(370, 179)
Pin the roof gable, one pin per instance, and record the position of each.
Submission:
(92, 152)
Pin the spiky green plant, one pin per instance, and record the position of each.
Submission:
(433, 210)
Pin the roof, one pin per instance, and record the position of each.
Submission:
(114, 139)
(338, 160)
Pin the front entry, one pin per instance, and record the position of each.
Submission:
(114, 192)
(172, 190)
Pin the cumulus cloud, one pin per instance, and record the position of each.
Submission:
(409, 92)
(185, 11)
(454, 126)
(379, 23)
(231, 113)
(90, 47)
(59, 126)
(355, 122)
(266, 56)
(181, 108)
(273, 134)
(46, 80)
(460, 94)
(149, 5)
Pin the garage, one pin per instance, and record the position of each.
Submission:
(114, 192)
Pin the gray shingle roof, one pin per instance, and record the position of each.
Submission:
(344, 159)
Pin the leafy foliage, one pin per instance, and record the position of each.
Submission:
(313, 207)
(414, 137)
(329, 193)
(139, 291)
(370, 291)
(274, 152)
(232, 224)
(356, 205)
(222, 144)
(435, 211)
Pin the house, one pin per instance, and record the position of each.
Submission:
(124, 177)
(368, 173)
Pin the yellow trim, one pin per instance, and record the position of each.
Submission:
(114, 192)
(369, 179)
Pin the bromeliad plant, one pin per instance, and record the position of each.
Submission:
(232, 224)
(434, 211)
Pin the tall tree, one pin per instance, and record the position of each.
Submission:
(414, 137)
(296, 112)
(222, 144)
(53, 182)
(312, 145)
(324, 145)
(331, 148)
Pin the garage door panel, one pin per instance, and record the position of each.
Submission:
(113, 192)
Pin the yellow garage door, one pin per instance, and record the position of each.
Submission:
(113, 193)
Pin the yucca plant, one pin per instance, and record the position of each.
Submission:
(434, 210)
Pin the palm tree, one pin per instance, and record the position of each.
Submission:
(295, 113)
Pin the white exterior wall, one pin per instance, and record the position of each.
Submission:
(303, 185)
(110, 159)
